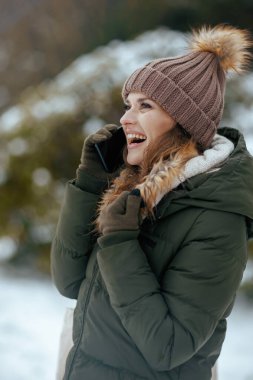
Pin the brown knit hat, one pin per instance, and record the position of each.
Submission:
(191, 87)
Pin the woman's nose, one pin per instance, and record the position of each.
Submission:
(128, 118)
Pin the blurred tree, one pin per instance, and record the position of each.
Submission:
(40, 38)
(184, 14)
(34, 185)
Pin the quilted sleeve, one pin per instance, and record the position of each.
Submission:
(73, 239)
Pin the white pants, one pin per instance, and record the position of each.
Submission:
(65, 343)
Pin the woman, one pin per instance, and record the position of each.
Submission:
(155, 258)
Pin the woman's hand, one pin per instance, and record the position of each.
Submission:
(123, 214)
(89, 157)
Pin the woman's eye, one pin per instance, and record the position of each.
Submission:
(142, 105)
(145, 105)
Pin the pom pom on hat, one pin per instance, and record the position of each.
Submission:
(228, 43)
(191, 87)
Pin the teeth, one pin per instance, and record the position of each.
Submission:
(131, 136)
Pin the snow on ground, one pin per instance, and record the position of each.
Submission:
(31, 315)
(235, 362)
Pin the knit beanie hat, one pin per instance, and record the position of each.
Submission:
(191, 87)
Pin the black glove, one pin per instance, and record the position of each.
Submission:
(123, 214)
(90, 161)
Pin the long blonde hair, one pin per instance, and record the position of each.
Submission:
(175, 147)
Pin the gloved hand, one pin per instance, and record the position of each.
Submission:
(89, 157)
(123, 214)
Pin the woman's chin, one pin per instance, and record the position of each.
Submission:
(133, 159)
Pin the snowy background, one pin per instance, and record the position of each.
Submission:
(31, 310)
(31, 316)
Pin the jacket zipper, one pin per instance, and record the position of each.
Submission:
(95, 271)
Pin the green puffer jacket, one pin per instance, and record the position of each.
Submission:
(153, 305)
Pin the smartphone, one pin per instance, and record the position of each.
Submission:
(110, 151)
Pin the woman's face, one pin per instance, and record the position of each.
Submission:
(143, 121)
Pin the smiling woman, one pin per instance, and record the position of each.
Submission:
(143, 121)
(154, 252)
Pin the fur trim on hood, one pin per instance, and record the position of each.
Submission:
(211, 159)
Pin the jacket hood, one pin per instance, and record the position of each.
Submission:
(228, 189)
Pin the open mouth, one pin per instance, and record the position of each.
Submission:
(135, 138)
